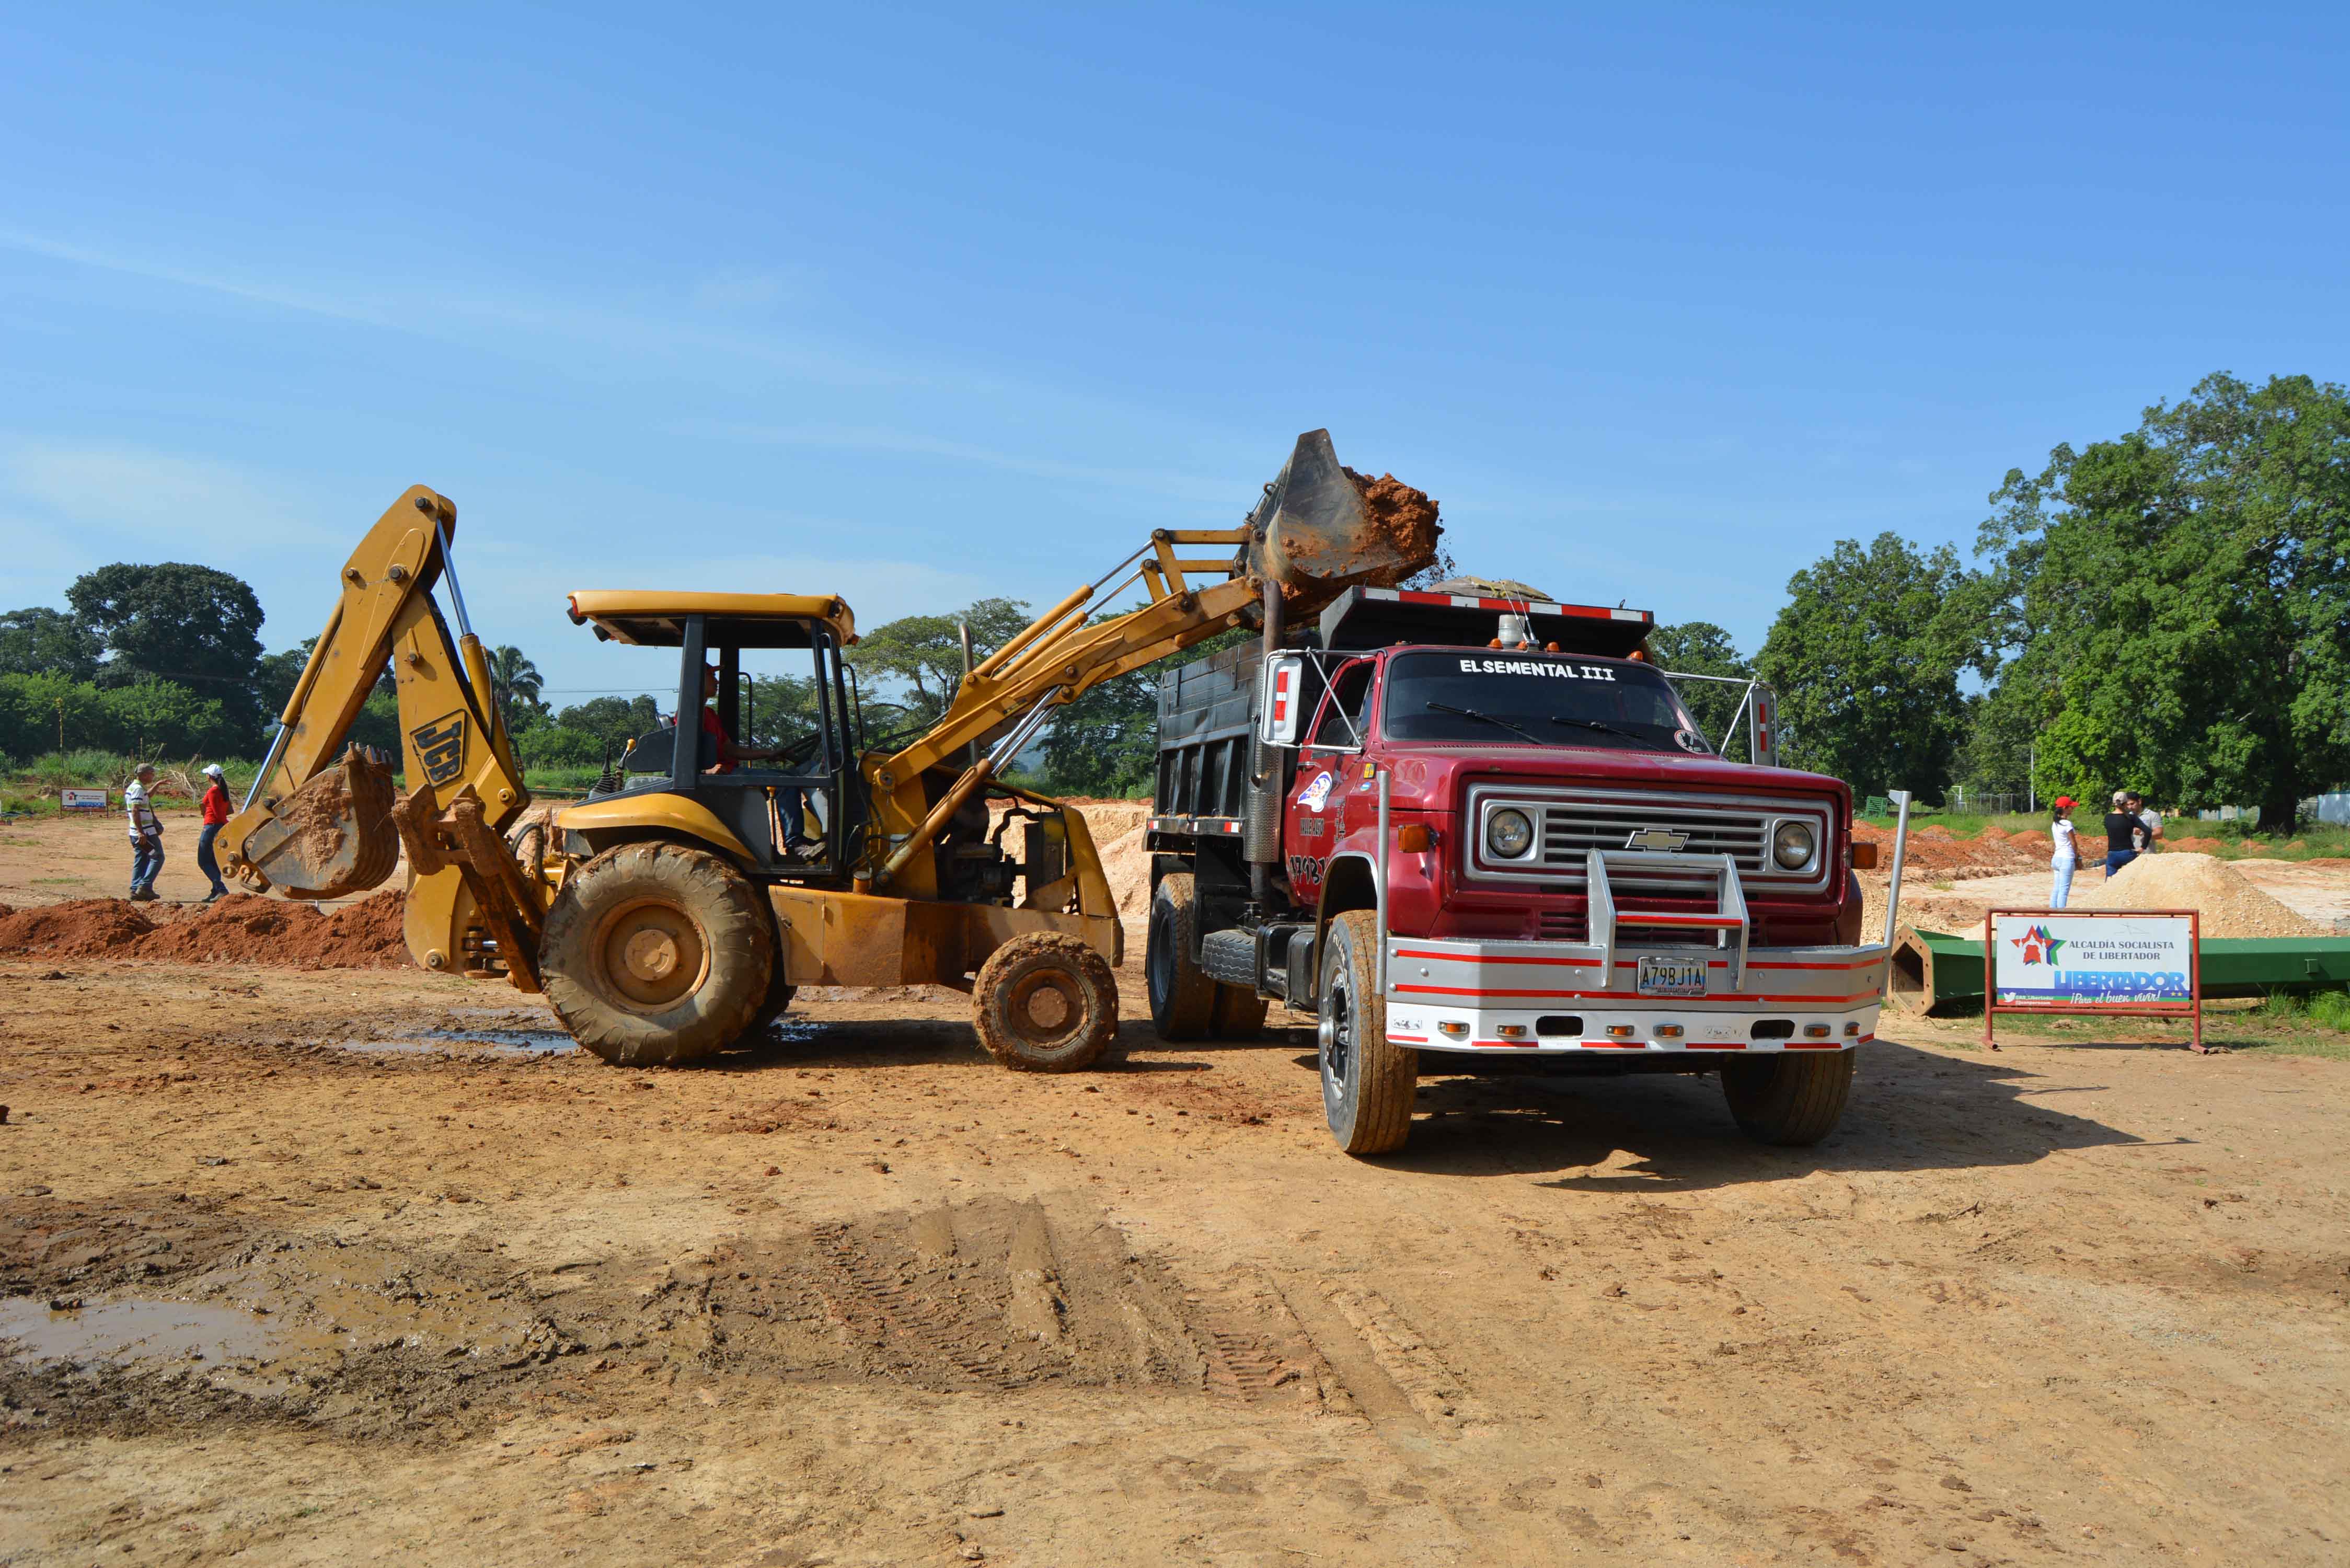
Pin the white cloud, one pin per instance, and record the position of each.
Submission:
(122, 494)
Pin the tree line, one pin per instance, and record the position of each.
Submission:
(2165, 610)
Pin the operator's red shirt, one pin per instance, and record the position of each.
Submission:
(713, 727)
(215, 806)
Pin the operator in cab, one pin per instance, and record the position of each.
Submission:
(791, 802)
(722, 743)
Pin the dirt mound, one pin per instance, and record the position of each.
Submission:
(1491, 588)
(2231, 906)
(237, 929)
(1936, 854)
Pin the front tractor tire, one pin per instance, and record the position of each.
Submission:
(1367, 1084)
(1793, 1100)
(1045, 1002)
(657, 954)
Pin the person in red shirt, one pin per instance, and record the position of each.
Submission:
(215, 804)
(791, 802)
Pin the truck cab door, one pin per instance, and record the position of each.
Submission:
(1337, 736)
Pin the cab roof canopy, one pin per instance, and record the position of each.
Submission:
(656, 618)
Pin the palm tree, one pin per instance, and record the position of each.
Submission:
(513, 676)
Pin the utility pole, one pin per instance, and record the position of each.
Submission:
(2031, 785)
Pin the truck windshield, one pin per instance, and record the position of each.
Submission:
(1547, 698)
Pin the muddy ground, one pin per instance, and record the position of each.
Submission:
(327, 1266)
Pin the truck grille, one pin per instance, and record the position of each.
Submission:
(1574, 822)
(1569, 832)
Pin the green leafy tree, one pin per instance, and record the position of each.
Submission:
(920, 656)
(515, 681)
(277, 674)
(42, 641)
(193, 624)
(1866, 658)
(1702, 648)
(618, 720)
(2174, 604)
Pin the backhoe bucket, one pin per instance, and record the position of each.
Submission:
(332, 837)
(1322, 529)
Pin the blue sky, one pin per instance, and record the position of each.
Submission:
(918, 305)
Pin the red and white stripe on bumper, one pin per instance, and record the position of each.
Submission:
(1552, 996)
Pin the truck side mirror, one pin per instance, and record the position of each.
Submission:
(1766, 726)
(1280, 709)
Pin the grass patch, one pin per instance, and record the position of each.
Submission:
(2281, 1024)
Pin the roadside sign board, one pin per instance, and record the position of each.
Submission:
(2146, 962)
(83, 799)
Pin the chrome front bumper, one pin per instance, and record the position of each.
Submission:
(1522, 997)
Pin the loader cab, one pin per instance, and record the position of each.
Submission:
(794, 812)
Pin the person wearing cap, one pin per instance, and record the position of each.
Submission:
(216, 805)
(2151, 818)
(145, 835)
(2066, 853)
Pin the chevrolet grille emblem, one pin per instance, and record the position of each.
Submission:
(1660, 840)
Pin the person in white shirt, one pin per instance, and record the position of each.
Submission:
(146, 835)
(2152, 819)
(2066, 855)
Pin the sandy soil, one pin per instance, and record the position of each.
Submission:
(330, 1267)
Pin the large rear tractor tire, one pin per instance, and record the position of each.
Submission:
(1368, 1085)
(1182, 998)
(780, 992)
(657, 954)
(1792, 1099)
(1045, 1002)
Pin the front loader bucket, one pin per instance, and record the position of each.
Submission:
(1323, 528)
(332, 837)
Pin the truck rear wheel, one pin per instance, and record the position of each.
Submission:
(1790, 1099)
(1239, 1014)
(1368, 1085)
(1045, 1002)
(655, 954)
(1183, 1000)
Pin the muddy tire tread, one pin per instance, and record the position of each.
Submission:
(1792, 1101)
(738, 931)
(1387, 1077)
(1188, 1011)
(1094, 977)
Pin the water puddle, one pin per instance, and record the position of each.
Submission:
(482, 1041)
(133, 1331)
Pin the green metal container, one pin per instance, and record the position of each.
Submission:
(1943, 974)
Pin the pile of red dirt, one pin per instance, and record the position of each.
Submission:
(237, 929)
(1937, 855)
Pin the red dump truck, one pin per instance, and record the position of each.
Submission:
(1466, 830)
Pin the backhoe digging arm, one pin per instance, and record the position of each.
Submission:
(321, 821)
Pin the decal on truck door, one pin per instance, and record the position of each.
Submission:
(1316, 795)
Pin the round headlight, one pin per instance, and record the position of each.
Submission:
(1508, 834)
(1791, 846)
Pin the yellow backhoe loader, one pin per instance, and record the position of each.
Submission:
(676, 909)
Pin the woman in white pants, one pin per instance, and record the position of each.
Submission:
(2067, 854)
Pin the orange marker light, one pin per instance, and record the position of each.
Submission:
(1414, 837)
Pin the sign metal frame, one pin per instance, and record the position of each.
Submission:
(2192, 1008)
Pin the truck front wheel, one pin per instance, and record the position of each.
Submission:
(1792, 1099)
(1182, 997)
(1367, 1084)
(655, 954)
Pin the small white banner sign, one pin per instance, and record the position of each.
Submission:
(2080, 959)
(83, 799)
